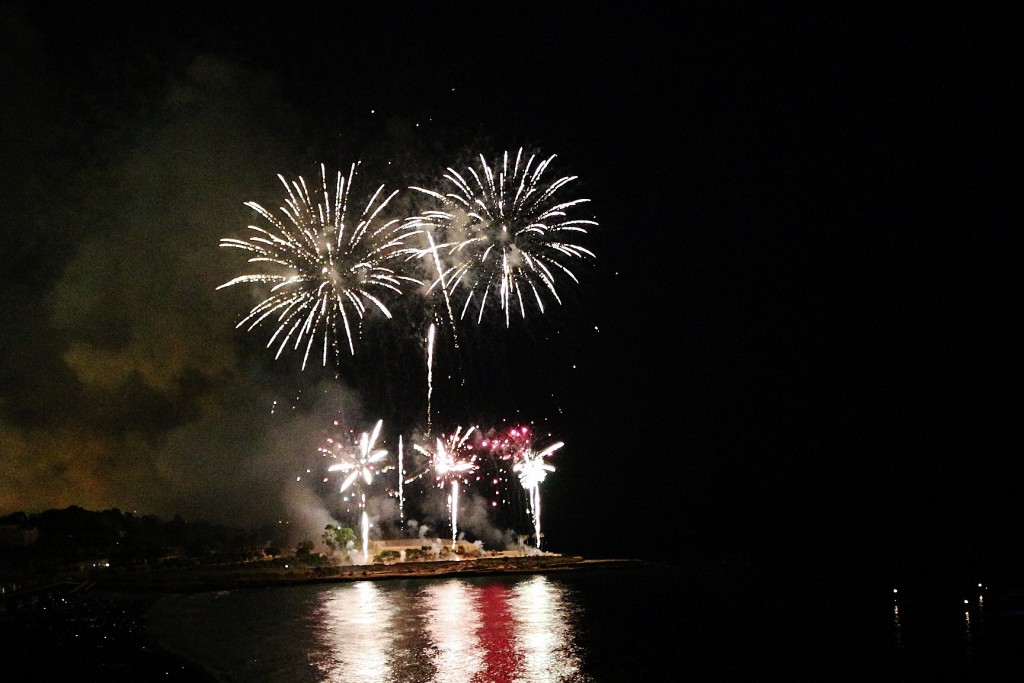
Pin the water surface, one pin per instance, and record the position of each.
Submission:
(721, 622)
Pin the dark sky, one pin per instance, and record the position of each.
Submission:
(798, 331)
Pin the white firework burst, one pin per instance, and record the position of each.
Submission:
(324, 269)
(502, 236)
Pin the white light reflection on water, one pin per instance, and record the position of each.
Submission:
(366, 632)
(452, 620)
(897, 626)
(544, 635)
(356, 634)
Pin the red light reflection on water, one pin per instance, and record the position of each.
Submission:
(497, 634)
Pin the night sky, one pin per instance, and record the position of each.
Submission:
(801, 329)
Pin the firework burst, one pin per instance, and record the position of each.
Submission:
(502, 237)
(325, 271)
(362, 462)
(517, 445)
(451, 461)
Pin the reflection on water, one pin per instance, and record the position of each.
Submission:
(594, 626)
(897, 627)
(356, 633)
(452, 621)
(453, 631)
(497, 633)
(544, 631)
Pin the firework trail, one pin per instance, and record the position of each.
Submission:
(502, 236)
(360, 463)
(430, 374)
(451, 461)
(325, 270)
(401, 474)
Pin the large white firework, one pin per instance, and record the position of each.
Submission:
(502, 236)
(325, 270)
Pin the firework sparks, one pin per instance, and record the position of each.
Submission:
(325, 271)
(361, 463)
(451, 461)
(532, 469)
(509, 444)
(529, 464)
(502, 236)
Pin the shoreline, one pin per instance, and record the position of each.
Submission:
(201, 579)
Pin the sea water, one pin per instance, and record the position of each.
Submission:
(731, 620)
